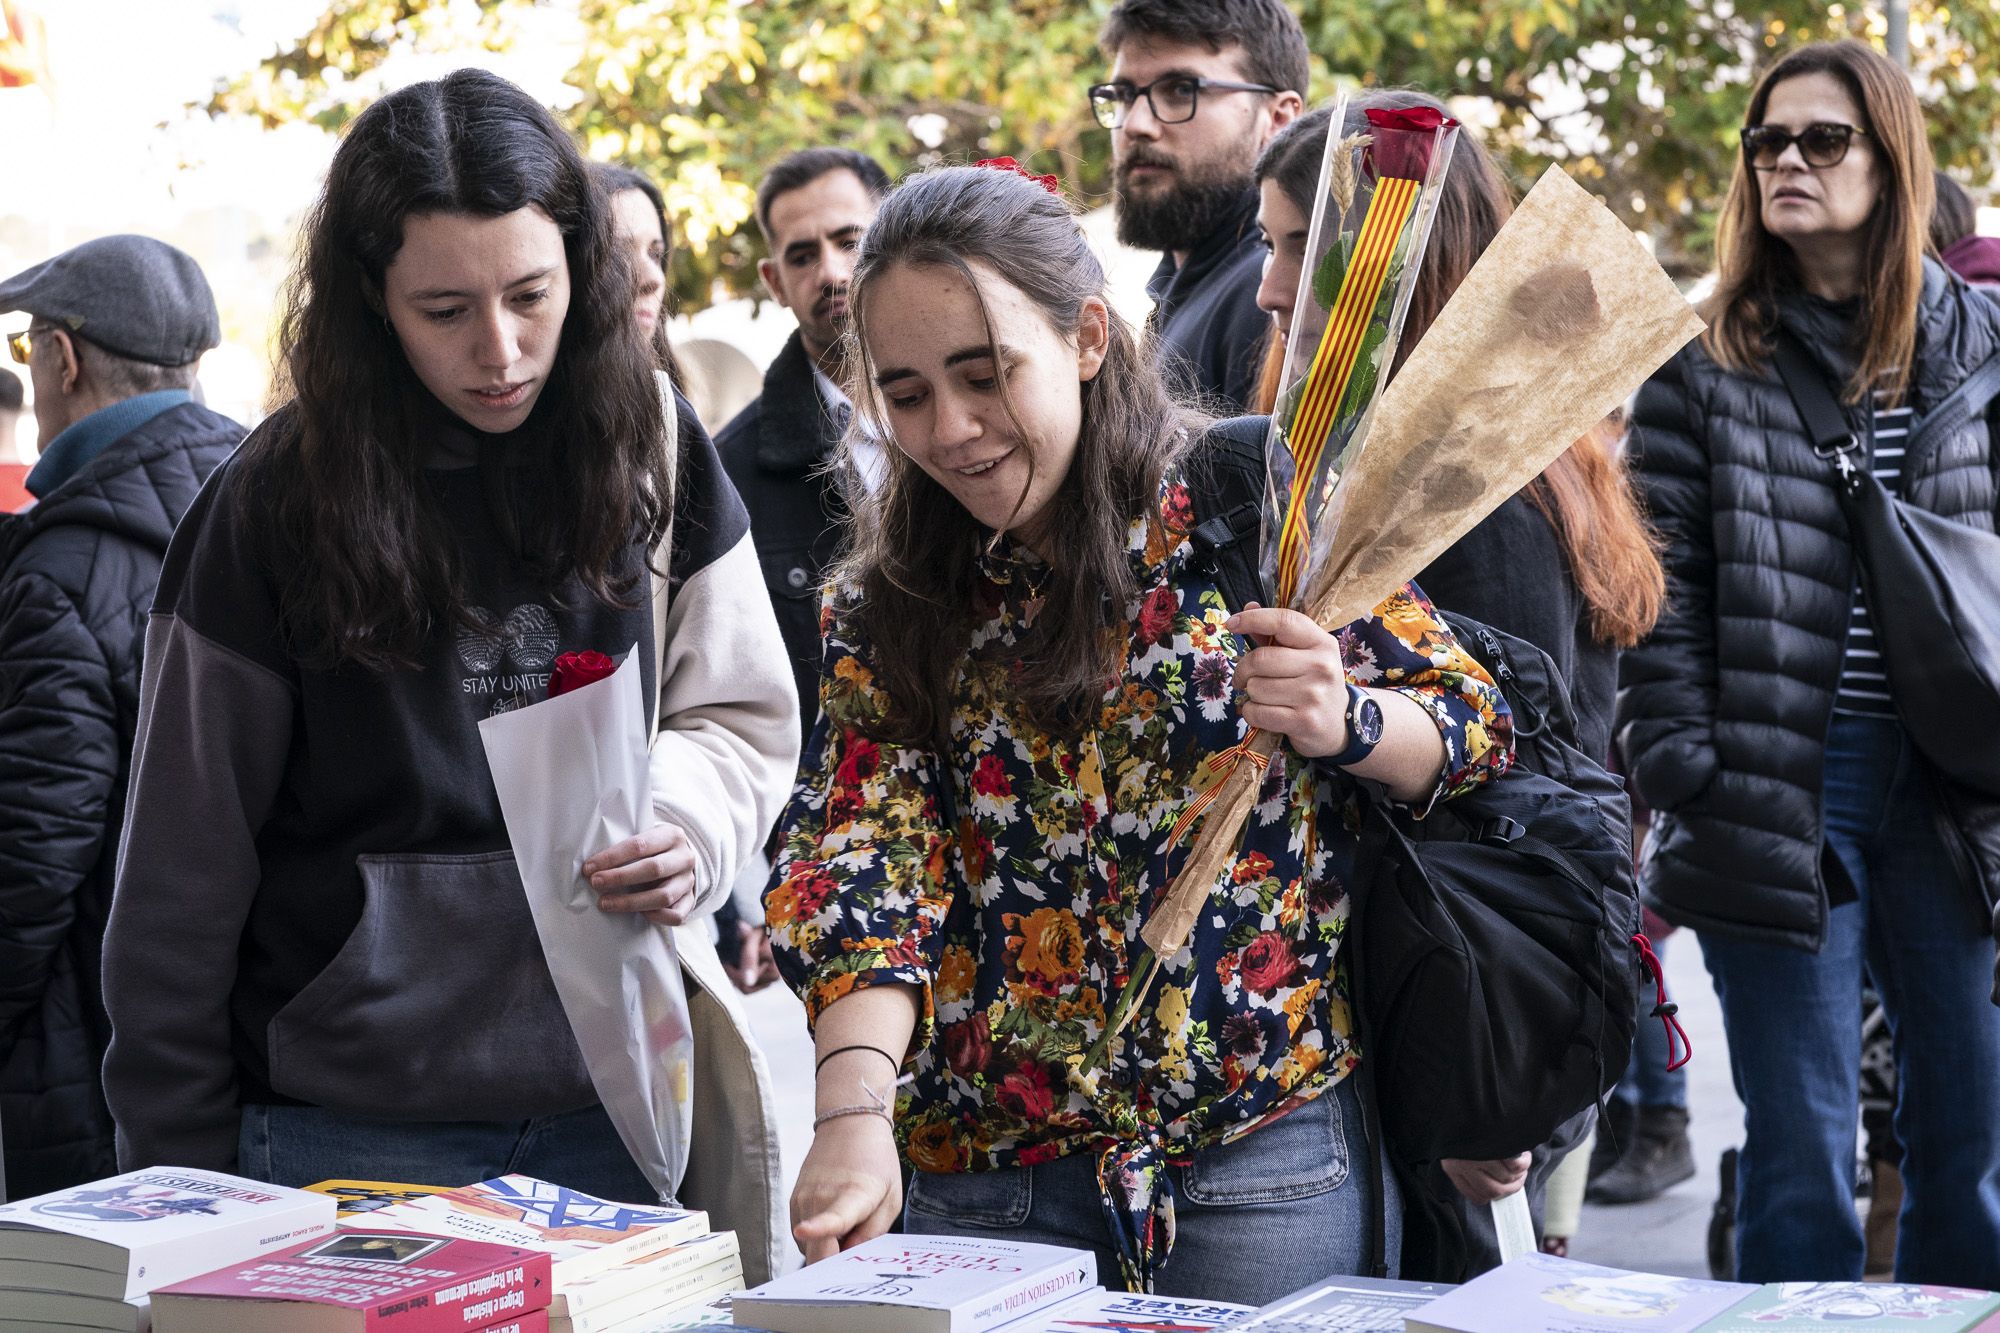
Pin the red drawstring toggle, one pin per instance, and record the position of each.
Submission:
(1664, 1009)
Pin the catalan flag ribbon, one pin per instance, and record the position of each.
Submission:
(1333, 364)
(1378, 190)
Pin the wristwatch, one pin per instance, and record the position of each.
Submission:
(1364, 728)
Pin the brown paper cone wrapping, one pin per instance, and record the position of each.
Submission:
(1556, 326)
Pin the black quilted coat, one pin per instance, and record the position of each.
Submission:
(77, 573)
(1723, 711)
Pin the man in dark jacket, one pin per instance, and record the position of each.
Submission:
(1197, 88)
(116, 329)
(812, 207)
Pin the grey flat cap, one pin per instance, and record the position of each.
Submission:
(131, 295)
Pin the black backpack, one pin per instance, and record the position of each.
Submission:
(1494, 962)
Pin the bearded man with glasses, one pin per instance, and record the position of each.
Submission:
(1197, 88)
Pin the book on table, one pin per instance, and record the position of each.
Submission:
(649, 1272)
(682, 1289)
(361, 1281)
(1344, 1305)
(714, 1315)
(581, 1233)
(919, 1284)
(1858, 1307)
(120, 1238)
(1538, 1293)
(356, 1197)
(72, 1313)
(1102, 1311)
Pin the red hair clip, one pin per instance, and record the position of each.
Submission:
(1049, 183)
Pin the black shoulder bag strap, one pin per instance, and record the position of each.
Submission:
(1833, 437)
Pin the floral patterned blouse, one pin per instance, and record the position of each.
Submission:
(1008, 881)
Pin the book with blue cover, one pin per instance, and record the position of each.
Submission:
(1102, 1311)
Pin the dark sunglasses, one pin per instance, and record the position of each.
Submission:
(1821, 145)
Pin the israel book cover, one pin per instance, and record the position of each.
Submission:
(1344, 1305)
(1538, 1293)
(358, 1281)
(127, 1235)
(582, 1233)
(919, 1284)
(1129, 1312)
(1859, 1307)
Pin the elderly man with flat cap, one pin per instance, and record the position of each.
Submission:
(115, 329)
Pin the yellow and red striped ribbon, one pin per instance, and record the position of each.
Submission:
(1217, 770)
(1333, 364)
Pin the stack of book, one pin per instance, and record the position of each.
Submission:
(1102, 1311)
(1349, 1304)
(89, 1257)
(920, 1284)
(1539, 1294)
(615, 1267)
(366, 1282)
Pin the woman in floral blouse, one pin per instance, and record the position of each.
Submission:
(1027, 678)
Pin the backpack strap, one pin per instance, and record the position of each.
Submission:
(1226, 479)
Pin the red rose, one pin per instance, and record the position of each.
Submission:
(1268, 964)
(967, 1046)
(575, 670)
(989, 778)
(863, 757)
(1156, 614)
(812, 895)
(1026, 1093)
(1404, 139)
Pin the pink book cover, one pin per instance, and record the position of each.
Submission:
(394, 1281)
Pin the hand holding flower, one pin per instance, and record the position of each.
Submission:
(651, 872)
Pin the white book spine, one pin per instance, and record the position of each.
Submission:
(1035, 1291)
(613, 1285)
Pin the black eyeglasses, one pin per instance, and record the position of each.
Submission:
(1823, 144)
(1173, 98)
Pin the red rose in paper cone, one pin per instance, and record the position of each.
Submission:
(1404, 139)
(575, 670)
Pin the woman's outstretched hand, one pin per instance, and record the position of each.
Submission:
(850, 1186)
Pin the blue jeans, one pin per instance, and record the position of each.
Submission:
(300, 1145)
(1647, 1080)
(1287, 1204)
(1794, 1031)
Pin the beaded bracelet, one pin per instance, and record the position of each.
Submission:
(839, 1111)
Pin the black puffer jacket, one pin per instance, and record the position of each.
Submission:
(76, 582)
(1723, 712)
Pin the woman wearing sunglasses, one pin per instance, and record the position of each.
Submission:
(1796, 827)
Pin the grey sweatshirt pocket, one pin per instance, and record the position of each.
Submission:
(438, 1007)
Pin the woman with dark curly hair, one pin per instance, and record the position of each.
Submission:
(320, 961)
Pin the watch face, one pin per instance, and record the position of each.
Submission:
(1368, 721)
